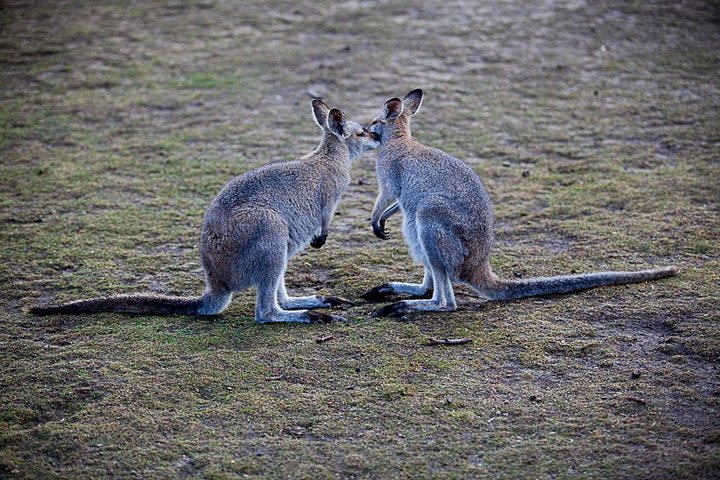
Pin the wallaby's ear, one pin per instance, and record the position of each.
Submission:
(320, 111)
(393, 108)
(336, 122)
(413, 100)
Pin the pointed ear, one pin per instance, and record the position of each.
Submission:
(320, 112)
(413, 100)
(336, 122)
(393, 108)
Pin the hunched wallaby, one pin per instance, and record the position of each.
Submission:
(255, 224)
(448, 224)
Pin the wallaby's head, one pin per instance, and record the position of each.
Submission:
(395, 117)
(337, 128)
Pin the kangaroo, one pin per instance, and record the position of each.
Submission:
(448, 224)
(255, 224)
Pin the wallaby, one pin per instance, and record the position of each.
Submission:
(448, 224)
(255, 224)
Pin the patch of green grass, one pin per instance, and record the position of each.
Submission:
(208, 81)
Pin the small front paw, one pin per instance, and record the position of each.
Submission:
(379, 230)
(396, 309)
(337, 302)
(318, 241)
(378, 294)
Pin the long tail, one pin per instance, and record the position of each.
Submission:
(502, 289)
(133, 303)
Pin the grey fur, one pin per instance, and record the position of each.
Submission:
(257, 222)
(448, 223)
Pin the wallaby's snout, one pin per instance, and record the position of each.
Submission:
(376, 127)
(357, 138)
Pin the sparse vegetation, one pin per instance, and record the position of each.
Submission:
(595, 126)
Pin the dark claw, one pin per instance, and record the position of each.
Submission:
(396, 309)
(337, 301)
(378, 294)
(318, 241)
(379, 230)
(324, 318)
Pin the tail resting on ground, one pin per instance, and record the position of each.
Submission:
(132, 303)
(503, 289)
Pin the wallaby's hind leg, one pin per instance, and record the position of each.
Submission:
(415, 290)
(443, 300)
(214, 302)
(217, 295)
(269, 278)
(441, 250)
(311, 301)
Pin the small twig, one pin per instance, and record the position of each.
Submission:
(448, 341)
(275, 378)
(324, 339)
(636, 400)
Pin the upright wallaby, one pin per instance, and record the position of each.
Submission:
(448, 223)
(255, 224)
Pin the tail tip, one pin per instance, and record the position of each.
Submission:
(39, 311)
(670, 271)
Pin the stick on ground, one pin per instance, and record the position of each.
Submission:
(447, 341)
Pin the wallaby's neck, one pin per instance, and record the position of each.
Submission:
(334, 148)
(397, 133)
(395, 145)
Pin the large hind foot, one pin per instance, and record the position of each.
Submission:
(299, 316)
(324, 318)
(387, 290)
(404, 307)
(313, 301)
(337, 302)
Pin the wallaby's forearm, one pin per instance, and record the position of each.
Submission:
(390, 211)
(319, 239)
(381, 205)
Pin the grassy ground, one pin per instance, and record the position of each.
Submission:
(594, 124)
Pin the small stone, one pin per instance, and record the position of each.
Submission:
(526, 173)
(635, 375)
(506, 164)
